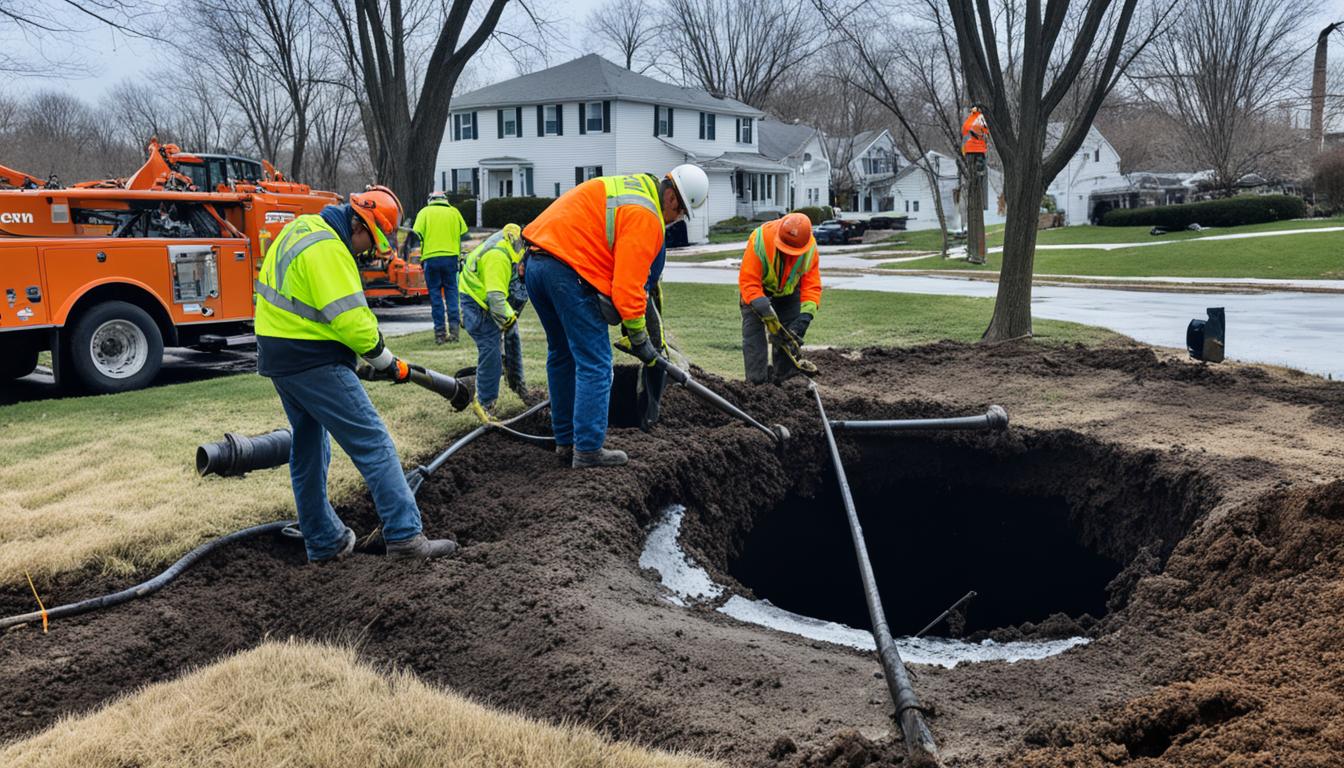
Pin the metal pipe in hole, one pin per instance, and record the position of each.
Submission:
(994, 420)
(919, 744)
(946, 613)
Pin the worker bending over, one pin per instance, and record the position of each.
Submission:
(588, 260)
(779, 286)
(491, 281)
(441, 228)
(311, 322)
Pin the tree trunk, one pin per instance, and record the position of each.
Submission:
(1012, 306)
(936, 185)
(975, 209)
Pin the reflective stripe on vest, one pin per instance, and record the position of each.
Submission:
(629, 190)
(273, 296)
(292, 252)
(474, 257)
(801, 266)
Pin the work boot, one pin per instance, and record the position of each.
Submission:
(418, 547)
(566, 455)
(440, 337)
(347, 546)
(602, 457)
(452, 334)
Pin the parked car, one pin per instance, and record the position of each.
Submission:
(838, 232)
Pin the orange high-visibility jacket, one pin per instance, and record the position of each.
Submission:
(974, 132)
(574, 230)
(755, 279)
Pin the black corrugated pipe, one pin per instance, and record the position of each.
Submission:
(919, 744)
(236, 454)
(416, 477)
(994, 420)
(148, 587)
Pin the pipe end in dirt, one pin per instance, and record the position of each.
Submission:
(782, 435)
(997, 417)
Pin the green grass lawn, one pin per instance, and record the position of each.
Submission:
(700, 258)
(109, 481)
(1310, 255)
(728, 237)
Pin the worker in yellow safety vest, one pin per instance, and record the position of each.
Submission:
(495, 294)
(779, 291)
(440, 228)
(312, 321)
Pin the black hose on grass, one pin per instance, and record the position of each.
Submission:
(148, 587)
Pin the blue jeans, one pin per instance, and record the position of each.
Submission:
(330, 398)
(488, 342)
(441, 280)
(578, 352)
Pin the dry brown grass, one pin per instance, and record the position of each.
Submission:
(300, 704)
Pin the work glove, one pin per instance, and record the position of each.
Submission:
(382, 365)
(766, 312)
(799, 325)
(504, 322)
(637, 343)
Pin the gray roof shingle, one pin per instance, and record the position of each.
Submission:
(778, 140)
(593, 78)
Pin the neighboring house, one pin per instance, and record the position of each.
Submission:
(913, 194)
(803, 149)
(544, 133)
(864, 170)
(1139, 190)
(1094, 167)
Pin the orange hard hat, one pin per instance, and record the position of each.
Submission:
(380, 210)
(794, 235)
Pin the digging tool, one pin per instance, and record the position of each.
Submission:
(779, 433)
(964, 599)
(793, 349)
(919, 744)
(994, 420)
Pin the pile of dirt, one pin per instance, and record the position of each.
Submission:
(1209, 484)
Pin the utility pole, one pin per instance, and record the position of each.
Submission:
(1318, 88)
(974, 134)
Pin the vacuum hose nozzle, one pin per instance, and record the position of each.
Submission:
(236, 454)
(457, 391)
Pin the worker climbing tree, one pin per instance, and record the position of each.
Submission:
(975, 137)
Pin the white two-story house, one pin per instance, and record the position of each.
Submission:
(864, 167)
(913, 194)
(1095, 167)
(803, 149)
(543, 133)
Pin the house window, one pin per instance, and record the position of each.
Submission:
(916, 206)
(462, 180)
(662, 121)
(744, 130)
(464, 126)
(591, 172)
(557, 194)
(594, 117)
(807, 157)
(1096, 156)
(907, 206)
(510, 123)
(505, 188)
(707, 126)
(552, 119)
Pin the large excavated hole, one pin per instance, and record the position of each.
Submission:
(1035, 531)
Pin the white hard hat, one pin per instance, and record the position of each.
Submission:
(692, 185)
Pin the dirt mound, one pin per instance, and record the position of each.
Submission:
(1204, 485)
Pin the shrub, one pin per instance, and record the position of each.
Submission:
(513, 210)
(734, 225)
(827, 213)
(466, 205)
(1328, 180)
(1230, 212)
(814, 214)
(766, 216)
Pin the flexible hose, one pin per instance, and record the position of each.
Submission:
(148, 587)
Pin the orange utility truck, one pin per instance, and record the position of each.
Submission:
(106, 274)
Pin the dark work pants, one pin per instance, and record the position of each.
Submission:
(758, 347)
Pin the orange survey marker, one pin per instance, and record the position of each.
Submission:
(40, 606)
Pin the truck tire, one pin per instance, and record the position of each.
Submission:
(17, 363)
(116, 347)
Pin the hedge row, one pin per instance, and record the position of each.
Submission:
(1229, 212)
(466, 205)
(817, 214)
(513, 210)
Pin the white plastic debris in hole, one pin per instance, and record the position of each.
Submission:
(689, 583)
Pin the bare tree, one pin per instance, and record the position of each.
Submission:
(741, 48)
(1028, 69)
(335, 122)
(1219, 71)
(137, 110)
(62, 23)
(627, 25)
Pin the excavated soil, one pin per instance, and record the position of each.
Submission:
(1215, 491)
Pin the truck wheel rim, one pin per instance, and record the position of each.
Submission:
(119, 349)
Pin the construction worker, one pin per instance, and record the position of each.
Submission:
(974, 133)
(311, 323)
(779, 287)
(588, 261)
(441, 228)
(489, 279)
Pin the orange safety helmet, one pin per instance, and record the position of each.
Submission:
(380, 210)
(794, 235)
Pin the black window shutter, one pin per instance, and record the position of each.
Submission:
(669, 122)
(655, 119)
(518, 122)
(541, 120)
(454, 187)
(531, 191)
(578, 175)
(599, 170)
(475, 125)
(476, 181)
(457, 127)
(702, 125)
(606, 117)
(443, 180)
(559, 119)
(583, 118)
(500, 114)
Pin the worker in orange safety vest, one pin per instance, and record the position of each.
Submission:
(974, 133)
(587, 265)
(779, 290)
